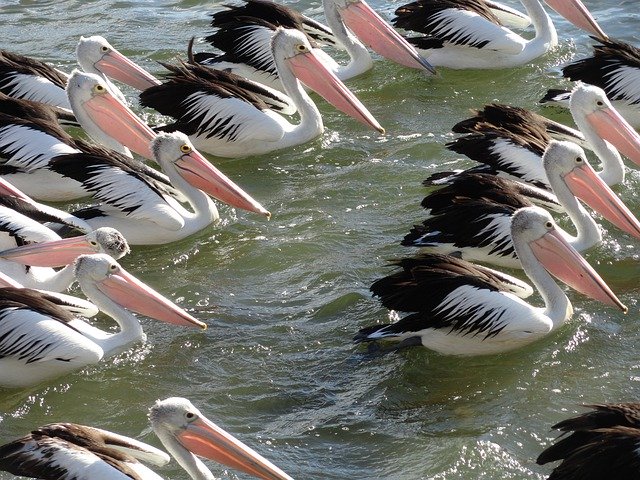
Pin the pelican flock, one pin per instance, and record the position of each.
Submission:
(135, 167)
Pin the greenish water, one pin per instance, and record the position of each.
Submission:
(283, 298)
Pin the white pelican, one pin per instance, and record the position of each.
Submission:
(31, 79)
(468, 34)
(601, 443)
(478, 227)
(614, 67)
(79, 452)
(39, 341)
(455, 311)
(243, 34)
(513, 144)
(227, 122)
(150, 217)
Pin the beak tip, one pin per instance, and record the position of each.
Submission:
(203, 326)
(381, 130)
(267, 214)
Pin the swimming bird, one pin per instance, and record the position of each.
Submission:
(228, 122)
(467, 33)
(243, 34)
(40, 341)
(149, 217)
(599, 444)
(614, 67)
(80, 452)
(476, 225)
(456, 310)
(511, 143)
(32, 79)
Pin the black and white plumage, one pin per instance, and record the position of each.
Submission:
(39, 340)
(510, 141)
(600, 444)
(470, 34)
(615, 68)
(67, 451)
(476, 223)
(21, 108)
(243, 33)
(229, 122)
(457, 310)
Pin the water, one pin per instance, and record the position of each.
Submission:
(283, 298)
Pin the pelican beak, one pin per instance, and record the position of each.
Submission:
(612, 126)
(118, 121)
(585, 184)
(129, 292)
(204, 438)
(378, 35)
(199, 172)
(310, 71)
(119, 67)
(567, 265)
(577, 13)
(55, 253)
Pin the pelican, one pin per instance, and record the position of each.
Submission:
(458, 312)
(228, 123)
(40, 341)
(243, 34)
(601, 443)
(478, 227)
(467, 33)
(80, 452)
(31, 79)
(614, 67)
(151, 218)
(513, 145)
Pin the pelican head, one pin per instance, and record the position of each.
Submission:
(183, 429)
(58, 253)
(96, 55)
(175, 151)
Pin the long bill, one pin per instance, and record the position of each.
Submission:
(585, 184)
(613, 127)
(378, 35)
(54, 253)
(318, 78)
(119, 122)
(130, 293)
(204, 438)
(117, 66)
(566, 264)
(199, 172)
(579, 15)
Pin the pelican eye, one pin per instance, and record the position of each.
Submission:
(98, 88)
(190, 415)
(579, 160)
(93, 243)
(301, 47)
(104, 49)
(184, 148)
(113, 267)
(600, 103)
(549, 225)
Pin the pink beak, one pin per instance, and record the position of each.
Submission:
(55, 253)
(577, 13)
(567, 265)
(204, 438)
(119, 67)
(201, 174)
(612, 126)
(129, 292)
(317, 77)
(119, 122)
(378, 35)
(585, 184)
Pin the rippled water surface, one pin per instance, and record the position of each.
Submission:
(283, 298)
